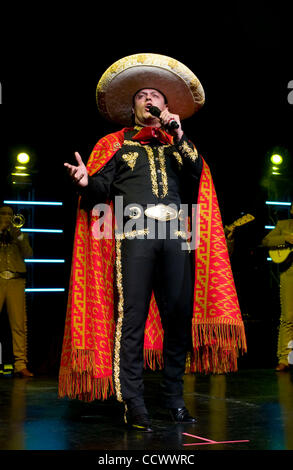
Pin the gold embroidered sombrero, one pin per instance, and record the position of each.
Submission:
(125, 77)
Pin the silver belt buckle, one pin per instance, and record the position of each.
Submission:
(161, 212)
(6, 275)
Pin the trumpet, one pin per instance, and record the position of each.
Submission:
(17, 220)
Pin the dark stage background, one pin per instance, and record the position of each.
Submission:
(50, 65)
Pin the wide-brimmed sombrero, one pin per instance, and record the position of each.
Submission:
(125, 77)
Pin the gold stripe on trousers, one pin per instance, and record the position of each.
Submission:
(120, 308)
(118, 330)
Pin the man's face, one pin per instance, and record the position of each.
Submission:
(6, 214)
(143, 99)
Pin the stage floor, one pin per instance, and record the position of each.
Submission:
(247, 410)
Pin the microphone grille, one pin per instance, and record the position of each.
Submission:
(154, 111)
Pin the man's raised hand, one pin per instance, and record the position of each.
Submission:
(78, 173)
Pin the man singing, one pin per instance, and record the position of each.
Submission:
(150, 316)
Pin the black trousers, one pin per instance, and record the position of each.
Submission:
(143, 266)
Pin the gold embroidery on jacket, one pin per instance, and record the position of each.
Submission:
(154, 181)
(130, 159)
(163, 170)
(132, 142)
(178, 158)
(182, 234)
(191, 153)
(151, 158)
(116, 145)
(132, 234)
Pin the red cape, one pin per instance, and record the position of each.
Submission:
(217, 327)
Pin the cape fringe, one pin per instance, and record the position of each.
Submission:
(81, 380)
(153, 358)
(84, 387)
(216, 348)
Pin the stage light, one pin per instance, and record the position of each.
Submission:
(44, 260)
(45, 289)
(41, 230)
(269, 227)
(276, 159)
(36, 203)
(23, 157)
(278, 203)
(20, 174)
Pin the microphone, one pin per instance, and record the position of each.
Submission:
(155, 111)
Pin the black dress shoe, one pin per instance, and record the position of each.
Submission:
(138, 421)
(181, 415)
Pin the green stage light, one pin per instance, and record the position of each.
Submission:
(276, 159)
(23, 158)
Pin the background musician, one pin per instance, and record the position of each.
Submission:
(282, 234)
(14, 247)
